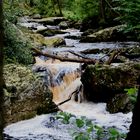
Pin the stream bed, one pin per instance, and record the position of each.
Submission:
(66, 77)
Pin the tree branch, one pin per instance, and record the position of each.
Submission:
(69, 98)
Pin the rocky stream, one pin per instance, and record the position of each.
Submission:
(63, 78)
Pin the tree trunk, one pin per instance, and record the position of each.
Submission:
(59, 7)
(31, 3)
(102, 11)
(134, 132)
(53, 5)
(1, 72)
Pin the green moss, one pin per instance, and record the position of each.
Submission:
(26, 116)
(18, 76)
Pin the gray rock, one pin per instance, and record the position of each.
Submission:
(31, 96)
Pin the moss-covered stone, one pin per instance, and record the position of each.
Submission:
(40, 40)
(31, 96)
(107, 34)
(55, 41)
(119, 103)
(101, 83)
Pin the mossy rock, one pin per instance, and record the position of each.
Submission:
(107, 34)
(63, 25)
(50, 32)
(120, 103)
(40, 40)
(101, 83)
(31, 96)
(36, 39)
(54, 41)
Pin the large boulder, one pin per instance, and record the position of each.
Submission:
(107, 34)
(40, 40)
(120, 103)
(55, 41)
(102, 83)
(26, 95)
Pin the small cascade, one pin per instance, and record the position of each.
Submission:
(58, 76)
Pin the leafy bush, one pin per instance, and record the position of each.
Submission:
(14, 9)
(129, 14)
(64, 116)
(17, 48)
(132, 93)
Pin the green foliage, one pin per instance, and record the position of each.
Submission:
(129, 14)
(81, 136)
(17, 49)
(113, 134)
(132, 93)
(79, 123)
(44, 7)
(79, 9)
(14, 10)
(64, 116)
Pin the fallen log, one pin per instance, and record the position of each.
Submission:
(79, 54)
(77, 60)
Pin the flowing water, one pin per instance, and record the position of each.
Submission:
(63, 78)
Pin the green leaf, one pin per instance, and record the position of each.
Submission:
(79, 123)
(131, 90)
(113, 132)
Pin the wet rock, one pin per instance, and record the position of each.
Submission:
(37, 16)
(63, 25)
(48, 21)
(73, 37)
(89, 31)
(55, 41)
(107, 34)
(133, 52)
(101, 83)
(31, 96)
(40, 40)
(50, 32)
(36, 39)
(120, 103)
